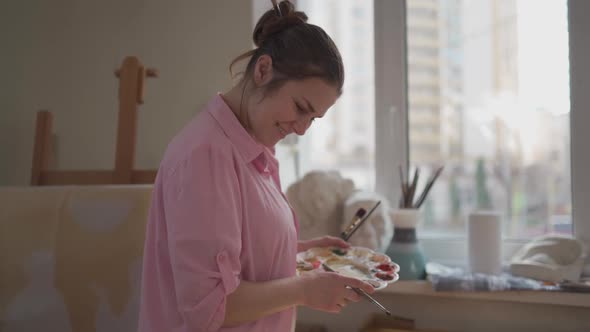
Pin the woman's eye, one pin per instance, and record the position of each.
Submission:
(300, 109)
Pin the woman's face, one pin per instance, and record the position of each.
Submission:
(289, 109)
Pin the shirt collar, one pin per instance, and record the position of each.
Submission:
(248, 148)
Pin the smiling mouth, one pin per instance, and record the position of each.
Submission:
(281, 130)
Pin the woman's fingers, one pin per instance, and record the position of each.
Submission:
(352, 296)
(349, 297)
(353, 282)
(336, 242)
(336, 309)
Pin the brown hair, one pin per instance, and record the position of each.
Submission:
(298, 49)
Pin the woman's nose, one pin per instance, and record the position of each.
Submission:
(300, 126)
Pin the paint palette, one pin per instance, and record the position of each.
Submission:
(357, 262)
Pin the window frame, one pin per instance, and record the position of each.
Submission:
(391, 126)
(579, 52)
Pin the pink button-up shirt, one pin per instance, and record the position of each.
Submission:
(218, 216)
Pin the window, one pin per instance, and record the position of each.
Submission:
(503, 79)
(506, 145)
(483, 90)
(345, 138)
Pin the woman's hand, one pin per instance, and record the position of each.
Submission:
(324, 241)
(329, 291)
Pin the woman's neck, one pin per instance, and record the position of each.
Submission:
(237, 100)
(234, 99)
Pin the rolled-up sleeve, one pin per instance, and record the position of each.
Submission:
(203, 216)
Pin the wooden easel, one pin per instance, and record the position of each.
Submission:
(131, 77)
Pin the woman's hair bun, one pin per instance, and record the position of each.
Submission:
(272, 23)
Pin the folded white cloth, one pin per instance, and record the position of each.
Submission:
(550, 258)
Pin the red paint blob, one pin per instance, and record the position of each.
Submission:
(385, 267)
(384, 276)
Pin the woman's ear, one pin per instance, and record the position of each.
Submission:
(263, 70)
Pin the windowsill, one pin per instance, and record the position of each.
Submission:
(424, 288)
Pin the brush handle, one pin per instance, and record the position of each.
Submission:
(403, 184)
(428, 186)
(412, 191)
(361, 292)
(371, 299)
(358, 223)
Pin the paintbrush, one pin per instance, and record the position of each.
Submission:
(428, 187)
(360, 213)
(357, 223)
(403, 185)
(412, 190)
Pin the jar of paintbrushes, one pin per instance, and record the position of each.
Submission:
(405, 249)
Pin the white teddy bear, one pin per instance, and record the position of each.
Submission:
(325, 204)
(318, 200)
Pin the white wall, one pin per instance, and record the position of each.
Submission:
(61, 56)
(11, 28)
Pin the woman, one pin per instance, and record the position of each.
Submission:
(221, 238)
